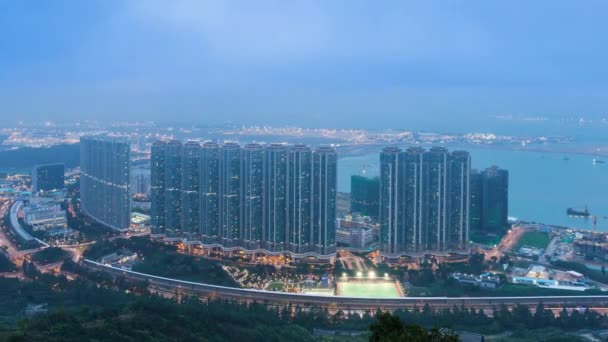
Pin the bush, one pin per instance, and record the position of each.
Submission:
(5, 264)
(50, 255)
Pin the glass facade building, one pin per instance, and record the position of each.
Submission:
(476, 203)
(494, 200)
(48, 177)
(365, 195)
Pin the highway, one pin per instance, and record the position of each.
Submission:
(4, 239)
(17, 228)
(12, 251)
(181, 287)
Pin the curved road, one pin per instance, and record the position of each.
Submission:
(181, 287)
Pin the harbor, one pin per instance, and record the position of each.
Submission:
(541, 185)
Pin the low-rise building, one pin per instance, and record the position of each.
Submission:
(484, 280)
(139, 219)
(44, 217)
(355, 237)
(541, 276)
(120, 257)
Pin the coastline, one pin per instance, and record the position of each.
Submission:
(355, 150)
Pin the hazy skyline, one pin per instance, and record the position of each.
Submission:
(339, 63)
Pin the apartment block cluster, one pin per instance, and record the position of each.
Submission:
(281, 199)
(270, 199)
(424, 202)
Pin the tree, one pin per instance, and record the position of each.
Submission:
(443, 271)
(542, 317)
(505, 259)
(388, 327)
(521, 313)
(476, 263)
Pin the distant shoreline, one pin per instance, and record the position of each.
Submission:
(356, 150)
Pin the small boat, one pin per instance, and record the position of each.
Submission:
(598, 161)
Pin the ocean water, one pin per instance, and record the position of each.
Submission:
(541, 185)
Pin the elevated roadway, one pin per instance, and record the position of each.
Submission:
(183, 288)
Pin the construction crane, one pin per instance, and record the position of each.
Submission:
(585, 214)
(595, 221)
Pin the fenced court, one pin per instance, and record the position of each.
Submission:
(370, 288)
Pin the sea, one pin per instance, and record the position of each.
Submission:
(542, 185)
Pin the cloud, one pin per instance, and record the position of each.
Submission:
(260, 30)
(292, 31)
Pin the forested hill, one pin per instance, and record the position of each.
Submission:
(27, 157)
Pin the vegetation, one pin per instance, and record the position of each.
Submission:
(502, 319)
(452, 288)
(90, 230)
(426, 277)
(98, 307)
(534, 239)
(162, 320)
(5, 264)
(541, 334)
(58, 293)
(80, 310)
(50, 255)
(390, 328)
(163, 260)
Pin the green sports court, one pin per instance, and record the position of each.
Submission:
(370, 289)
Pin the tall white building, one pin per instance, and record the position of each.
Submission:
(105, 177)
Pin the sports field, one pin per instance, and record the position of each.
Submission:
(369, 289)
(534, 239)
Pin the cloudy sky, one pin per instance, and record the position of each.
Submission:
(347, 63)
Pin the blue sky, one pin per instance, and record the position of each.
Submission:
(389, 64)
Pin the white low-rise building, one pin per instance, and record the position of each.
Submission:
(45, 217)
(355, 237)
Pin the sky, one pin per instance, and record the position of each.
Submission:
(342, 63)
